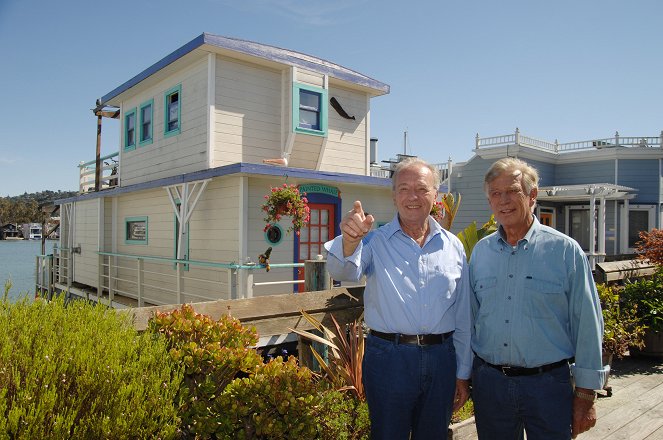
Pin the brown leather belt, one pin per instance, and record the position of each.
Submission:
(399, 338)
(508, 370)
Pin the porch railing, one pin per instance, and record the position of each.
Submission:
(518, 138)
(110, 171)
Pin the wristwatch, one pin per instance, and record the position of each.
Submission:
(585, 396)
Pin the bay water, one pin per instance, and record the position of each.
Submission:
(17, 263)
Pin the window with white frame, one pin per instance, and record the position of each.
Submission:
(309, 109)
(145, 124)
(130, 130)
(173, 111)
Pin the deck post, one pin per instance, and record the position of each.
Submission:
(179, 282)
(316, 276)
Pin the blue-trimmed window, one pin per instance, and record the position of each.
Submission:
(145, 122)
(309, 109)
(173, 111)
(130, 130)
(135, 230)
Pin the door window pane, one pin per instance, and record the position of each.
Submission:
(580, 227)
(637, 221)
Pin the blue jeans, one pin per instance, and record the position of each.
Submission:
(409, 389)
(504, 407)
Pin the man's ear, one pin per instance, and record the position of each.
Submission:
(532, 195)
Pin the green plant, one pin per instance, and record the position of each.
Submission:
(212, 353)
(77, 370)
(470, 236)
(343, 370)
(464, 413)
(444, 211)
(622, 326)
(343, 417)
(277, 401)
(286, 200)
(646, 294)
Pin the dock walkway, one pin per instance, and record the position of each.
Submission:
(635, 409)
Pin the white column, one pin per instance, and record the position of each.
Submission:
(592, 228)
(602, 229)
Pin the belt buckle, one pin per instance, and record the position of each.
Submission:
(420, 340)
(505, 369)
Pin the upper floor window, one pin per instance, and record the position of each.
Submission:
(130, 129)
(309, 111)
(145, 114)
(173, 111)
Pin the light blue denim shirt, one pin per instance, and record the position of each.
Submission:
(536, 303)
(411, 289)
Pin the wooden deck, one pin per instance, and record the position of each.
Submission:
(634, 411)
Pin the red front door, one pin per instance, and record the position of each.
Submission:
(319, 230)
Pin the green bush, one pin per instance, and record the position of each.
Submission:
(277, 401)
(646, 295)
(82, 371)
(212, 353)
(341, 416)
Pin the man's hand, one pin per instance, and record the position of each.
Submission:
(584, 416)
(354, 226)
(462, 393)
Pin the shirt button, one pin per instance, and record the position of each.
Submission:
(507, 321)
(510, 275)
(506, 345)
(508, 297)
(513, 253)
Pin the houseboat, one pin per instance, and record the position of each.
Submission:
(175, 215)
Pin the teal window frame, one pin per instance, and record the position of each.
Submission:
(166, 110)
(129, 114)
(297, 88)
(176, 223)
(281, 236)
(128, 220)
(142, 140)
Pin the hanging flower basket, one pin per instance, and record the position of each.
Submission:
(286, 201)
(437, 212)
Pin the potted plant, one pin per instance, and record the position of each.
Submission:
(622, 327)
(646, 294)
(286, 201)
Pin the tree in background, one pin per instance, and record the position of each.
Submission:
(650, 246)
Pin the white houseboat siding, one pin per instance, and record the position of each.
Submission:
(168, 156)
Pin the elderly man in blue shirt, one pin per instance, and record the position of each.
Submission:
(537, 320)
(418, 359)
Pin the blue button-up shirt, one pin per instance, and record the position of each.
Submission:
(536, 303)
(411, 289)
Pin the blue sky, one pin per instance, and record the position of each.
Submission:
(566, 70)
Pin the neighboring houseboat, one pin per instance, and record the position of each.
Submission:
(32, 231)
(11, 231)
(601, 192)
(205, 133)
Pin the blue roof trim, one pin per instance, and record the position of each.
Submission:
(245, 168)
(264, 51)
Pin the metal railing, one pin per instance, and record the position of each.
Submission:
(594, 144)
(110, 171)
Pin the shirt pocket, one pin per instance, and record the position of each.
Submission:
(484, 290)
(545, 299)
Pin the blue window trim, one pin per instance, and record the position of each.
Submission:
(127, 114)
(296, 88)
(149, 140)
(127, 220)
(177, 89)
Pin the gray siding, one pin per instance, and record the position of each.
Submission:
(642, 175)
(585, 172)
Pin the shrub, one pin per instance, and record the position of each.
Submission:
(212, 353)
(277, 401)
(82, 371)
(622, 327)
(646, 294)
(342, 416)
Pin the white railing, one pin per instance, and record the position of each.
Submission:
(594, 144)
(110, 171)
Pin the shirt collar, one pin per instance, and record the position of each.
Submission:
(528, 236)
(394, 226)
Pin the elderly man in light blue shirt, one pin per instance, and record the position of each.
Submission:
(537, 320)
(417, 305)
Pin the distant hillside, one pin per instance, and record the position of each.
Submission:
(26, 207)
